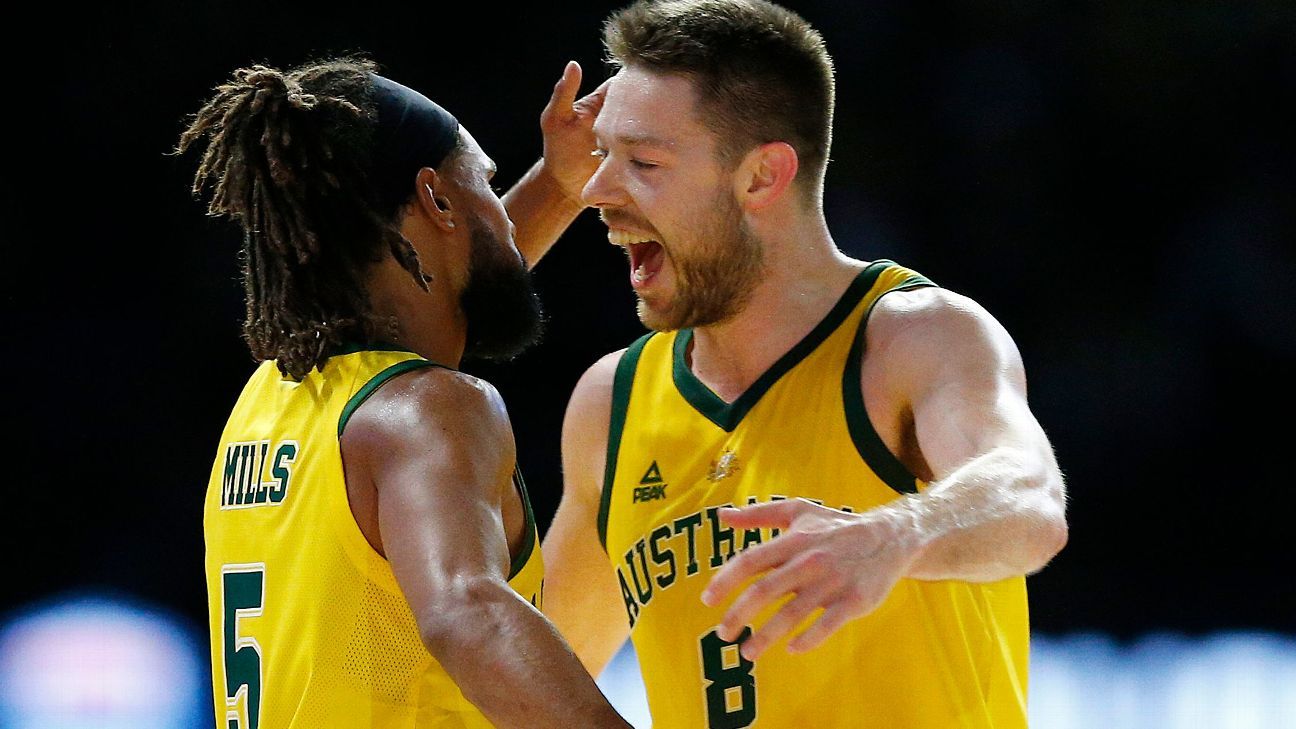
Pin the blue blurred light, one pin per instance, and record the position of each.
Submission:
(87, 661)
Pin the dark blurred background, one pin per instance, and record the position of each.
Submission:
(1112, 180)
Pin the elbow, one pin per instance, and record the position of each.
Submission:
(1050, 537)
(1061, 534)
(1051, 541)
(461, 614)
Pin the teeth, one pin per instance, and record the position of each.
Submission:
(625, 238)
(639, 275)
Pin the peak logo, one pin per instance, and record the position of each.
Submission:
(652, 486)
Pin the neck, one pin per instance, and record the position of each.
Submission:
(429, 323)
(805, 276)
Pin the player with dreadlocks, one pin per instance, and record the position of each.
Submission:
(372, 556)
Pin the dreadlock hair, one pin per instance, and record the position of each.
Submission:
(288, 158)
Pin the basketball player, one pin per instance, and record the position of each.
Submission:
(371, 552)
(878, 423)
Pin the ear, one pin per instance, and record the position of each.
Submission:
(429, 196)
(765, 173)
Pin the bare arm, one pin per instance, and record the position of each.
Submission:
(581, 593)
(438, 449)
(994, 507)
(548, 197)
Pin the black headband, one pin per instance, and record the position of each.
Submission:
(413, 132)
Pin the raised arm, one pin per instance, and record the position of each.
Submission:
(438, 449)
(581, 593)
(547, 198)
(946, 382)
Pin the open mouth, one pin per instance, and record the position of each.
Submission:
(646, 256)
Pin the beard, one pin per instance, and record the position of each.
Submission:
(500, 304)
(716, 279)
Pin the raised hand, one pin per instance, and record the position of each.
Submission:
(568, 127)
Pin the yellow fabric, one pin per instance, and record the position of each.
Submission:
(306, 619)
(935, 654)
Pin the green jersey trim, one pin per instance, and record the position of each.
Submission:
(621, 385)
(728, 415)
(529, 539)
(868, 443)
(376, 382)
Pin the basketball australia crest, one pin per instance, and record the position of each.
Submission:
(724, 466)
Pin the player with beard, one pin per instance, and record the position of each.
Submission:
(896, 486)
(372, 556)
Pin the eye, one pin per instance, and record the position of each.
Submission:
(497, 189)
(642, 165)
(600, 153)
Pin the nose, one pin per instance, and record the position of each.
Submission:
(603, 188)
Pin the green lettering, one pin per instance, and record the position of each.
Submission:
(632, 607)
(661, 557)
(720, 535)
(644, 596)
(690, 523)
(281, 470)
(230, 474)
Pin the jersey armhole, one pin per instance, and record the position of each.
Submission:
(872, 450)
(622, 383)
(529, 535)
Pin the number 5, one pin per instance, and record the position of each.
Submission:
(243, 594)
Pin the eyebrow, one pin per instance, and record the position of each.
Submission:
(644, 140)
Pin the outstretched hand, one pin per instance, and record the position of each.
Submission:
(568, 127)
(841, 562)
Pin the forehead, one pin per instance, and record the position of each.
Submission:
(643, 104)
(471, 156)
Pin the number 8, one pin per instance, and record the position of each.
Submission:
(723, 681)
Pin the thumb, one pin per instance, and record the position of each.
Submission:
(564, 93)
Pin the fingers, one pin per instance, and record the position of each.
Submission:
(591, 103)
(776, 514)
(833, 618)
(788, 617)
(748, 564)
(564, 93)
(794, 576)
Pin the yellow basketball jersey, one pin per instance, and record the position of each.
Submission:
(934, 654)
(308, 625)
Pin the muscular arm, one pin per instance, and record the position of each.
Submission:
(437, 447)
(581, 593)
(994, 507)
(548, 197)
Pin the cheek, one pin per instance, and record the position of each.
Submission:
(495, 216)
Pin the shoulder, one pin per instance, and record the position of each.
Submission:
(591, 398)
(934, 328)
(431, 403)
(598, 378)
(586, 425)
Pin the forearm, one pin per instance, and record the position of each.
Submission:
(509, 661)
(540, 210)
(1000, 515)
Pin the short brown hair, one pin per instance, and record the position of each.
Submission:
(762, 72)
